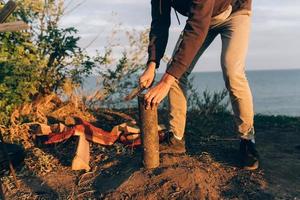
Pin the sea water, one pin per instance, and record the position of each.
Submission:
(275, 92)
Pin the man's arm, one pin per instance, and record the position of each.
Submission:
(159, 33)
(194, 34)
(158, 37)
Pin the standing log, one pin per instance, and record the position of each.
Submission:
(150, 139)
(7, 10)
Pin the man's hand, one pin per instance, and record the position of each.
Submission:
(155, 95)
(148, 76)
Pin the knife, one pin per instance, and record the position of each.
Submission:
(136, 91)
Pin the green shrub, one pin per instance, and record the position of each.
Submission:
(38, 61)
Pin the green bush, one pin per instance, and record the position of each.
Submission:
(38, 61)
(208, 102)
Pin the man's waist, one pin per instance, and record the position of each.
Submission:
(182, 7)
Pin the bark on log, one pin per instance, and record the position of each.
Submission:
(150, 139)
(7, 10)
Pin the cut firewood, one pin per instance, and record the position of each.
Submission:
(57, 128)
(43, 129)
(132, 136)
(82, 157)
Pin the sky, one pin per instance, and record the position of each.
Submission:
(274, 41)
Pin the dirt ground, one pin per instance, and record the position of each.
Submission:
(209, 170)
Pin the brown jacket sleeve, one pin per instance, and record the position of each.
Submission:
(159, 33)
(194, 34)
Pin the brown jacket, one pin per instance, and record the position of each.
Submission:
(199, 13)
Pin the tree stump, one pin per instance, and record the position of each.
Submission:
(150, 139)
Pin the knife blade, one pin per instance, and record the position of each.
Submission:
(136, 91)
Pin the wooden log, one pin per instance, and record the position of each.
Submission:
(150, 139)
(82, 158)
(13, 26)
(57, 128)
(42, 129)
(7, 10)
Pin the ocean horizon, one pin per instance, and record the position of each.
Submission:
(275, 92)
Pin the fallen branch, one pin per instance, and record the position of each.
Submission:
(13, 26)
(7, 10)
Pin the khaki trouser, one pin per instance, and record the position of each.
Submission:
(234, 30)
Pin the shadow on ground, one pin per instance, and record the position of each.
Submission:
(122, 167)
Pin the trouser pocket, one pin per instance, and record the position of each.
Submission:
(221, 17)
